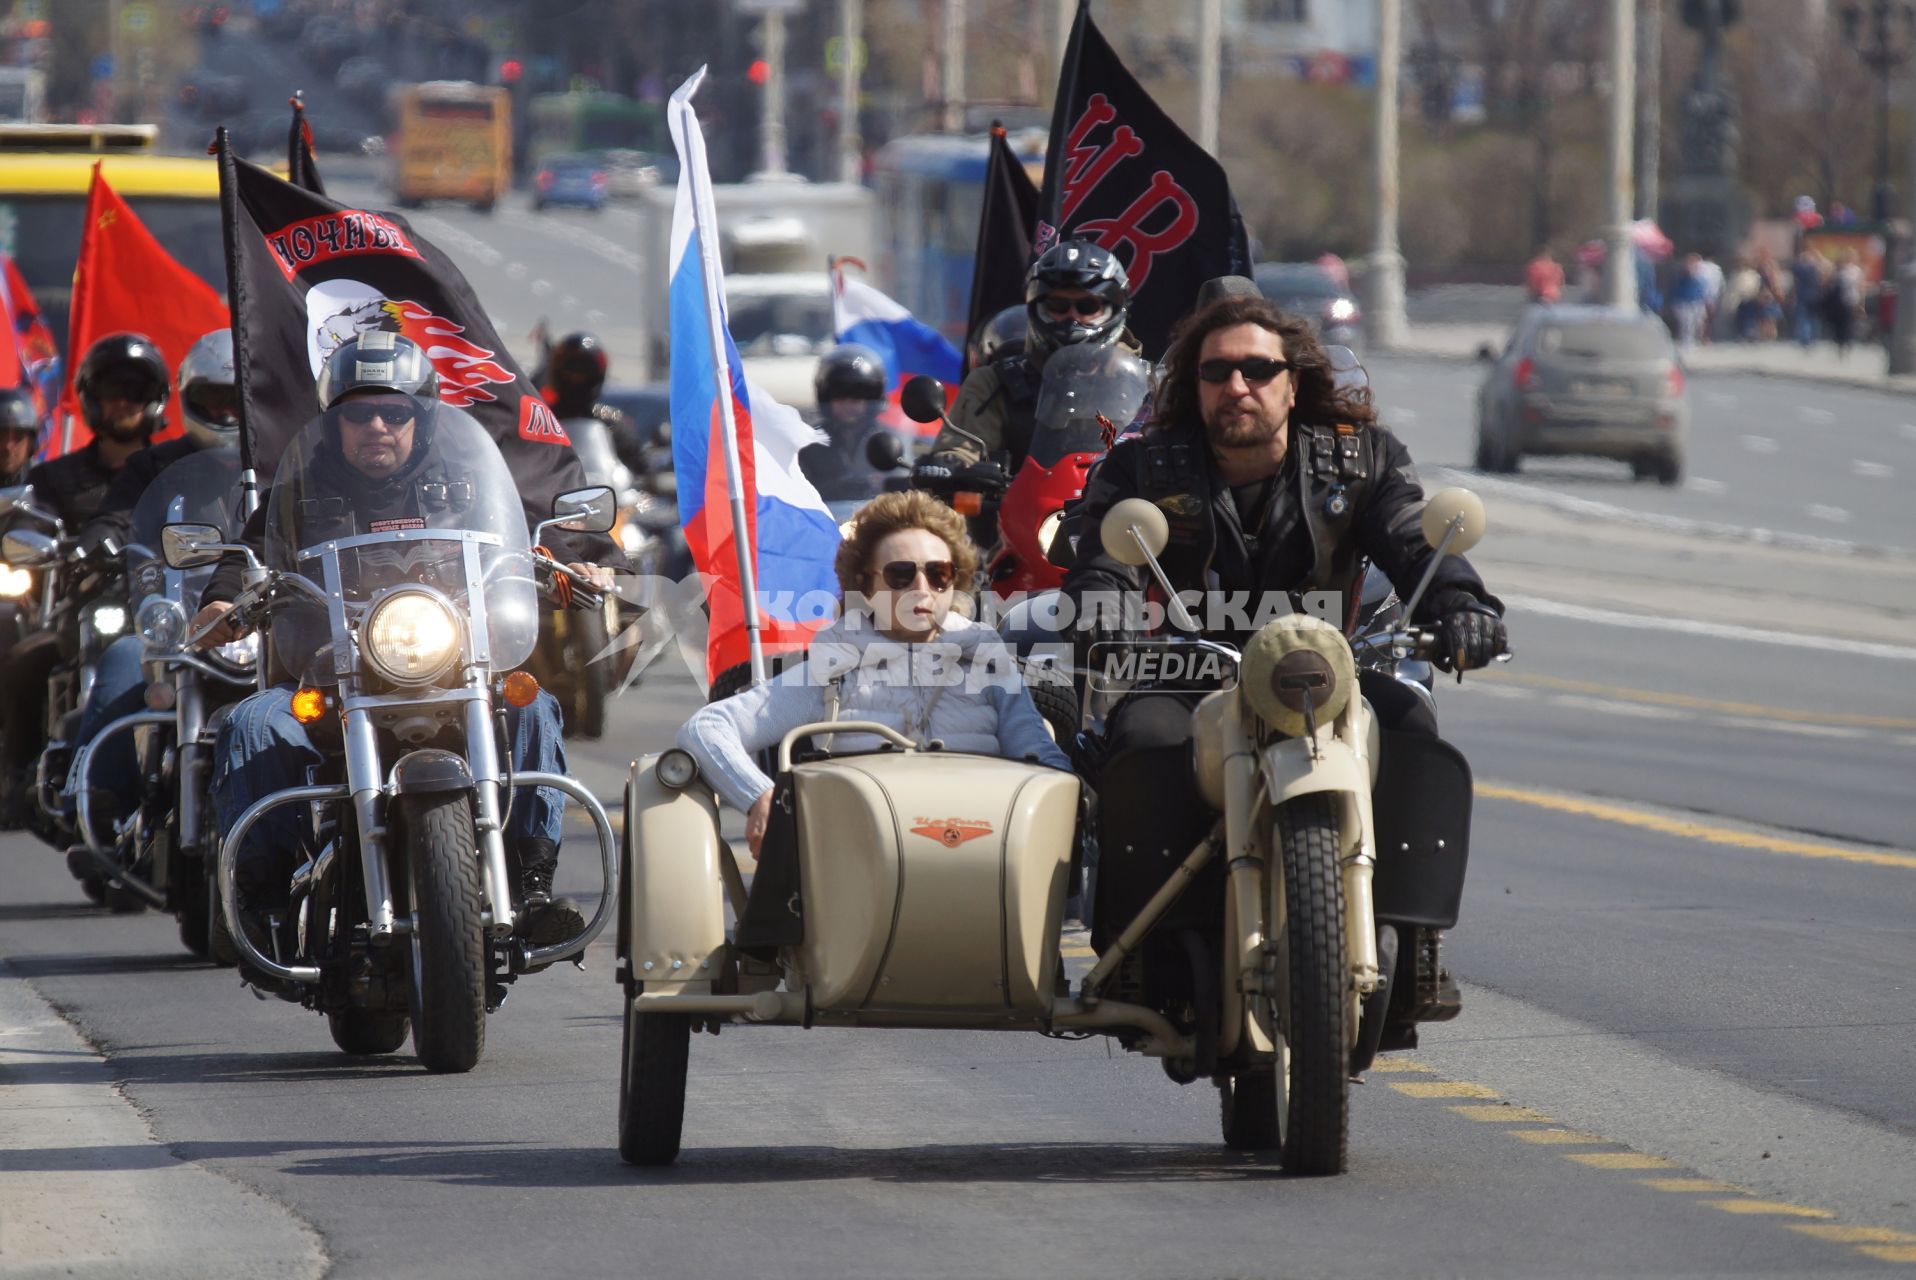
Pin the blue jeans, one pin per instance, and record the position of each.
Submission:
(119, 689)
(262, 749)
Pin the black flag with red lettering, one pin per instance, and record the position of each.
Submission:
(1120, 172)
(1004, 236)
(311, 273)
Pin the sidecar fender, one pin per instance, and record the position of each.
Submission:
(672, 916)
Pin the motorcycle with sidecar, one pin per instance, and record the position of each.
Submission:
(919, 888)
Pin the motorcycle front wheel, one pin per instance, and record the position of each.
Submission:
(1313, 1070)
(448, 940)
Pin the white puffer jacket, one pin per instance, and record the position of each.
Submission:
(963, 690)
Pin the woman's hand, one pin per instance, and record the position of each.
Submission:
(225, 633)
(757, 818)
(596, 576)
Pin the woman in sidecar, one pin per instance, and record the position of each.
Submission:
(898, 654)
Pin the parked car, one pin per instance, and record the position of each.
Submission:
(1587, 380)
(571, 180)
(1308, 290)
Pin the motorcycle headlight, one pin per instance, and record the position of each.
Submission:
(1048, 530)
(1294, 662)
(162, 624)
(1343, 309)
(14, 583)
(107, 619)
(411, 637)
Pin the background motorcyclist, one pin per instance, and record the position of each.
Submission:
(378, 393)
(19, 433)
(209, 403)
(571, 380)
(1076, 292)
(123, 386)
(997, 337)
(850, 389)
(1273, 480)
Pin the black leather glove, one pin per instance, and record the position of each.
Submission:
(1471, 637)
(944, 472)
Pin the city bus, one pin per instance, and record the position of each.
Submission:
(931, 191)
(454, 143)
(591, 121)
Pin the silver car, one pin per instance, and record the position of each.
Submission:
(1585, 380)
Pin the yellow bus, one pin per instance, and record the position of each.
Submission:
(454, 143)
(45, 171)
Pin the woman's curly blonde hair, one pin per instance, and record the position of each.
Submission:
(895, 512)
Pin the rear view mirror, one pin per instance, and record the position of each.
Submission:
(884, 451)
(1457, 510)
(1131, 523)
(15, 496)
(923, 399)
(188, 546)
(28, 548)
(591, 510)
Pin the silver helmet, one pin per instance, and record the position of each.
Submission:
(209, 391)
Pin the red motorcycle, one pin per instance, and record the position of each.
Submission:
(1089, 396)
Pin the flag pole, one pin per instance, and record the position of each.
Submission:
(705, 220)
(242, 362)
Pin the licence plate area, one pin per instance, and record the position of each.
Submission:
(1601, 387)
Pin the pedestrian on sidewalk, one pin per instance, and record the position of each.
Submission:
(1806, 297)
(1843, 301)
(1690, 301)
(1543, 277)
(1712, 275)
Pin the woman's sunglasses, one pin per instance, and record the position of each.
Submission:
(1255, 370)
(1062, 307)
(393, 415)
(900, 574)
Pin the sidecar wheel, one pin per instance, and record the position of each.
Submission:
(1249, 1103)
(1314, 977)
(448, 941)
(652, 1085)
(367, 1031)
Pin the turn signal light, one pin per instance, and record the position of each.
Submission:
(967, 503)
(309, 705)
(160, 696)
(521, 689)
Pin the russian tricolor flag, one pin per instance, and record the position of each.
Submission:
(789, 534)
(907, 345)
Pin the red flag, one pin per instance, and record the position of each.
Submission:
(125, 282)
(28, 353)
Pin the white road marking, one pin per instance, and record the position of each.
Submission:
(1719, 399)
(1712, 630)
(1697, 484)
(1820, 511)
(616, 254)
(1873, 470)
(445, 233)
(1404, 415)
(515, 271)
(542, 288)
(595, 316)
(569, 302)
(1760, 444)
(1821, 417)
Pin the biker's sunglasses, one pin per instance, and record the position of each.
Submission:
(394, 415)
(1255, 369)
(1062, 307)
(900, 574)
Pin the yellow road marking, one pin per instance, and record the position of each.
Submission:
(1557, 1137)
(1748, 1205)
(1399, 1064)
(1618, 1160)
(1710, 1185)
(1443, 1089)
(1501, 1113)
(1837, 1233)
(1658, 698)
(1665, 825)
(1889, 1252)
(1080, 953)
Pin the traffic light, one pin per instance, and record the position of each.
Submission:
(759, 72)
(510, 70)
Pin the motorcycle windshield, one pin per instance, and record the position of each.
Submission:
(201, 488)
(362, 506)
(1084, 390)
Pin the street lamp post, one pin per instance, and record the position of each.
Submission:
(1385, 305)
(1872, 29)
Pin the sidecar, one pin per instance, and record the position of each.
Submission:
(929, 892)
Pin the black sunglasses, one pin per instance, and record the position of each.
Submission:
(1065, 306)
(900, 574)
(1256, 369)
(394, 415)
